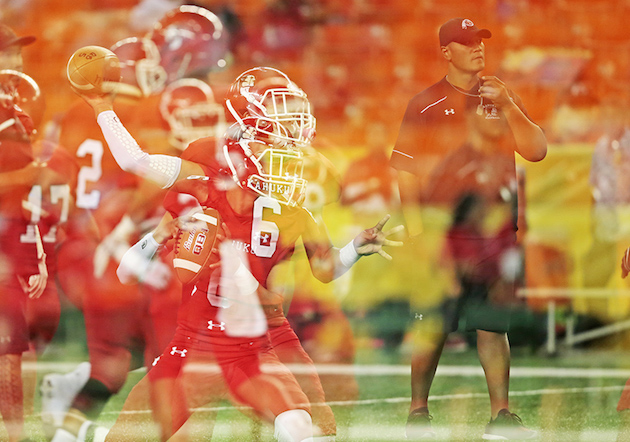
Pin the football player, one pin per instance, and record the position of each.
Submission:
(119, 319)
(171, 114)
(36, 204)
(258, 188)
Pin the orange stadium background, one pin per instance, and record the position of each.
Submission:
(360, 61)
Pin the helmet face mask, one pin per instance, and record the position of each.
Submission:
(292, 110)
(271, 171)
(280, 176)
(140, 65)
(21, 103)
(267, 94)
(274, 124)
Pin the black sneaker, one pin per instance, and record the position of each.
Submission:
(507, 426)
(419, 425)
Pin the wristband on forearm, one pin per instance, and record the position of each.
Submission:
(161, 169)
(136, 260)
(347, 257)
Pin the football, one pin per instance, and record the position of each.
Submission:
(194, 245)
(93, 70)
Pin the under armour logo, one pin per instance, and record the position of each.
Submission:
(450, 111)
(181, 353)
(221, 325)
(419, 316)
(265, 238)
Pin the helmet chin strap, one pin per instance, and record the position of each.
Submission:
(7, 123)
(238, 119)
(228, 159)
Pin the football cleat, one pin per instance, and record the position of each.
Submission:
(58, 392)
(507, 426)
(419, 425)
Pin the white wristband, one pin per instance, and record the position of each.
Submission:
(348, 255)
(152, 244)
(136, 260)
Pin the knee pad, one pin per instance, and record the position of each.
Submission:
(293, 426)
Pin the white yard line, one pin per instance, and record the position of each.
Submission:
(443, 397)
(390, 370)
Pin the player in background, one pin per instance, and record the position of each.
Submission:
(190, 111)
(115, 316)
(165, 116)
(36, 204)
(38, 211)
(243, 189)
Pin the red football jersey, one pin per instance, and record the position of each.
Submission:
(267, 234)
(46, 201)
(102, 186)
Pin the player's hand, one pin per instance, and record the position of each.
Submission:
(495, 90)
(372, 240)
(99, 103)
(166, 230)
(36, 283)
(157, 275)
(625, 263)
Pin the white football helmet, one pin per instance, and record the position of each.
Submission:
(268, 100)
(191, 112)
(140, 66)
(191, 40)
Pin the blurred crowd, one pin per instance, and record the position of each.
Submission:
(359, 60)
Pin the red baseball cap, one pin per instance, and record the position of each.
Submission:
(461, 30)
(9, 38)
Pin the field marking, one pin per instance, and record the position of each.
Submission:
(389, 370)
(406, 399)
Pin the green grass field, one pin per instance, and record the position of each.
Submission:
(571, 397)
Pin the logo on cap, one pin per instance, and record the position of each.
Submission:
(466, 23)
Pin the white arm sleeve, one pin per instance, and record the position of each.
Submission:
(135, 262)
(161, 169)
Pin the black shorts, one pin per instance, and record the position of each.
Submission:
(472, 311)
